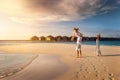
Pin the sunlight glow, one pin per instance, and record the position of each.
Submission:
(10, 6)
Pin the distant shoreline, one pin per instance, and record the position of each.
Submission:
(46, 41)
(14, 42)
(84, 39)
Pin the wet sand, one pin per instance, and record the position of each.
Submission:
(13, 63)
(44, 67)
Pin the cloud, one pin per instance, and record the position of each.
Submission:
(71, 9)
(35, 19)
(22, 20)
(118, 1)
(26, 11)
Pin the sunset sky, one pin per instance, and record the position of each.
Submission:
(21, 19)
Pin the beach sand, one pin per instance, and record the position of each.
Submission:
(57, 61)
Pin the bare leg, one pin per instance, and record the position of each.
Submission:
(100, 53)
(97, 53)
(80, 53)
(77, 53)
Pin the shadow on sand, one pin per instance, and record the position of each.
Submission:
(111, 55)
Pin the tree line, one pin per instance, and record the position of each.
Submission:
(68, 39)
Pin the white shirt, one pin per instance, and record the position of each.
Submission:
(79, 38)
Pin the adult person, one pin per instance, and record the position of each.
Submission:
(79, 36)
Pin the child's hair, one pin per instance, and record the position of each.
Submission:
(98, 36)
(76, 29)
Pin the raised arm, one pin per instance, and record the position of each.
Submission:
(73, 36)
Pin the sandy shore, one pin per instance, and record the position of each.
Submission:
(63, 64)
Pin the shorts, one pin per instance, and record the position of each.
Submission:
(78, 46)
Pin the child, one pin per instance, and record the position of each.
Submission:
(98, 45)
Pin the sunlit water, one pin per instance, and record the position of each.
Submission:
(106, 43)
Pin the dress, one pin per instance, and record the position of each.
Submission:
(98, 47)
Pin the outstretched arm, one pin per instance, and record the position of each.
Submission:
(73, 36)
(72, 39)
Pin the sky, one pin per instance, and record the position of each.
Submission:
(21, 19)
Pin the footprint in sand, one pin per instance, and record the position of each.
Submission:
(77, 75)
(111, 76)
(90, 68)
(80, 69)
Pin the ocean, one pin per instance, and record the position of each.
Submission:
(106, 43)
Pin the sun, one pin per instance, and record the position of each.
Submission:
(4, 25)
